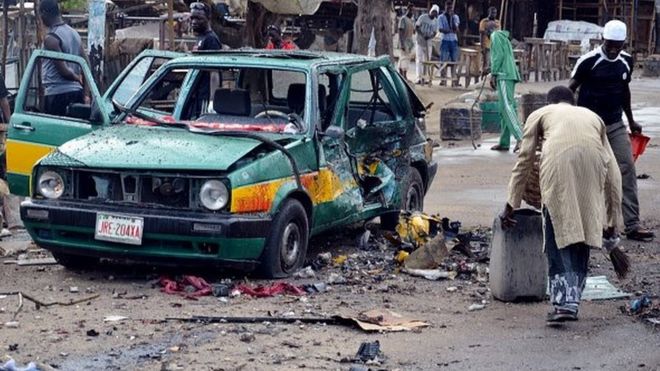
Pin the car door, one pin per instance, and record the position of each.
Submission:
(335, 166)
(379, 126)
(33, 133)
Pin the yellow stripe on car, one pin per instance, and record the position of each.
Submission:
(21, 156)
(322, 186)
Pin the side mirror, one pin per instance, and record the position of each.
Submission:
(334, 132)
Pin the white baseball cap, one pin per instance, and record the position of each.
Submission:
(615, 30)
(434, 7)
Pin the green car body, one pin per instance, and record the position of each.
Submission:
(197, 185)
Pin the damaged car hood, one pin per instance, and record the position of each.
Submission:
(132, 147)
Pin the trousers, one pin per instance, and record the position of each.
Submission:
(620, 143)
(510, 124)
(567, 269)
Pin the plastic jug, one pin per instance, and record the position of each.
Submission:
(518, 266)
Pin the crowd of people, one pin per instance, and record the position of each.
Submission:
(417, 34)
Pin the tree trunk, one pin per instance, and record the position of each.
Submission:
(376, 15)
(256, 21)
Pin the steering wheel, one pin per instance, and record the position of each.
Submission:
(272, 113)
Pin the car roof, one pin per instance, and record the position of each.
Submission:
(274, 58)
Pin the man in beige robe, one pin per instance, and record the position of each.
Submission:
(580, 184)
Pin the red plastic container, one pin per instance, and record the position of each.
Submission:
(638, 143)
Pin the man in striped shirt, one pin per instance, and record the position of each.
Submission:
(580, 182)
(603, 76)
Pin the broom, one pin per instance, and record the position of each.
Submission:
(619, 259)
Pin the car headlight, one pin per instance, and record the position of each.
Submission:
(50, 184)
(214, 195)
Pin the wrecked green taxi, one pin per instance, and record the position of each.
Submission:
(229, 158)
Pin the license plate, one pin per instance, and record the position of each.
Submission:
(119, 228)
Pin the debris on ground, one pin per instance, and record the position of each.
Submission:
(368, 352)
(306, 272)
(644, 309)
(428, 256)
(10, 365)
(275, 289)
(114, 318)
(637, 305)
(190, 287)
(475, 307)
(430, 274)
(383, 320)
(599, 288)
(39, 303)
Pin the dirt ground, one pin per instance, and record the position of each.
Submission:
(470, 186)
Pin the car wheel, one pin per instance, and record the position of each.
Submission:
(412, 199)
(75, 262)
(286, 245)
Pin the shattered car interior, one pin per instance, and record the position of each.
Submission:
(226, 159)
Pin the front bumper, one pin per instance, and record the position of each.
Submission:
(170, 237)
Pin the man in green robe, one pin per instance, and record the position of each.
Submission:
(505, 75)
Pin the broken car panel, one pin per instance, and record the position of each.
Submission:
(285, 145)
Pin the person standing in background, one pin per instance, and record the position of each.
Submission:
(603, 77)
(406, 32)
(448, 23)
(426, 27)
(62, 81)
(487, 26)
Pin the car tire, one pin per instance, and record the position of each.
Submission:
(412, 196)
(75, 262)
(286, 245)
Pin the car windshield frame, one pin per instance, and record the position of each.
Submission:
(195, 68)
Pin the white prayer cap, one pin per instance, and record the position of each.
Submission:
(434, 7)
(615, 31)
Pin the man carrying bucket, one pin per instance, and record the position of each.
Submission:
(603, 76)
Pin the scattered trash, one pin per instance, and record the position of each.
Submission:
(247, 337)
(114, 318)
(10, 365)
(417, 228)
(371, 321)
(428, 256)
(368, 351)
(220, 290)
(291, 344)
(321, 261)
(336, 279)
(11, 324)
(599, 288)
(92, 333)
(401, 256)
(385, 321)
(73, 289)
(190, 287)
(637, 305)
(475, 307)
(430, 274)
(272, 290)
(12, 347)
(42, 261)
(306, 272)
(451, 289)
(318, 287)
(643, 176)
(340, 260)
